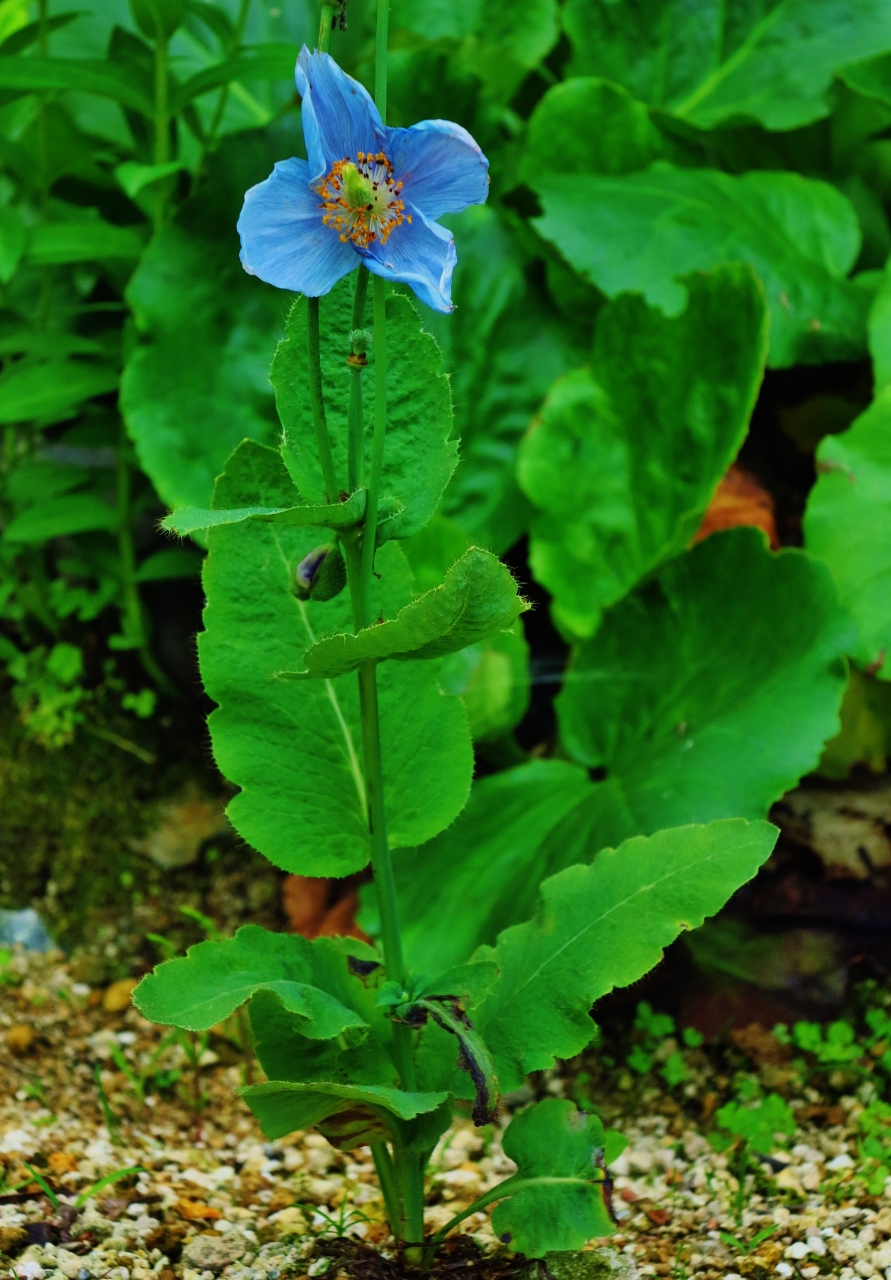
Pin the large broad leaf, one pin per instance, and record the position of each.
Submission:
(706, 695)
(604, 926)
(492, 677)
(641, 231)
(340, 515)
(504, 347)
(419, 456)
(311, 979)
(848, 524)
(356, 1115)
(715, 61)
(555, 1200)
(626, 455)
(713, 690)
(49, 392)
(295, 747)
(478, 597)
(618, 137)
(484, 867)
(198, 381)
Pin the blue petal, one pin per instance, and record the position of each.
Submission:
(441, 168)
(283, 238)
(339, 117)
(419, 254)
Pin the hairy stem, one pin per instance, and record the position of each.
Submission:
(325, 22)
(356, 412)
(317, 401)
(380, 434)
(386, 1176)
(380, 57)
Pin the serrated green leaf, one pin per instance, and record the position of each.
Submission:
(60, 517)
(285, 1052)
(295, 747)
(478, 597)
(625, 457)
(51, 391)
(419, 457)
(604, 926)
(340, 515)
(641, 231)
(83, 75)
(361, 1113)
(197, 383)
(714, 62)
(213, 979)
(555, 1200)
(848, 524)
(710, 692)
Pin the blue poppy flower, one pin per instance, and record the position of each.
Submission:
(367, 193)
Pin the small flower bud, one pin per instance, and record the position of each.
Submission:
(321, 575)
(307, 569)
(360, 340)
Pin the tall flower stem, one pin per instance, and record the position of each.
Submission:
(355, 412)
(317, 402)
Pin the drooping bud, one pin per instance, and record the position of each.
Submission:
(307, 569)
(321, 575)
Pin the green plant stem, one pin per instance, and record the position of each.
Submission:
(380, 57)
(379, 438)
(162, 127)
(386, 1176)
(317, 401)
(325, 21)
(356, 412)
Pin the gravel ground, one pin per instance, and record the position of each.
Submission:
(212, 1197)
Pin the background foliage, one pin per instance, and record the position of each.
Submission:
(688, 226)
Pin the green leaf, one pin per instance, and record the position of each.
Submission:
(13, 237)
(158, 19)
(484, 866)
(295, 747)
(89, 240)
(603, 926)
(712, 63)
(170, 562)
(264, 62)
(362, 1114)
(61, 517)
(493, 680)
(135, 177)
(880, 334)
(618, 136)
(510, 41)
(83, 75)
(504, 346)
(710, 692)
(419, 457)
(51, 391)
(625, 456)
(198, 381)
(340, 515)
(848, 524)
(640, 232)
(478, 596)
(871, 78)
(213, 979)
(555, 1200)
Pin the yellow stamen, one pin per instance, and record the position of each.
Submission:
(361, 199)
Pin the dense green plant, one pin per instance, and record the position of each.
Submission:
(671, 222)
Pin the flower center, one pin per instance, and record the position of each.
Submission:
(361, 200)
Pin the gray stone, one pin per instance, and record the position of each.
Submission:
(213, 1253)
